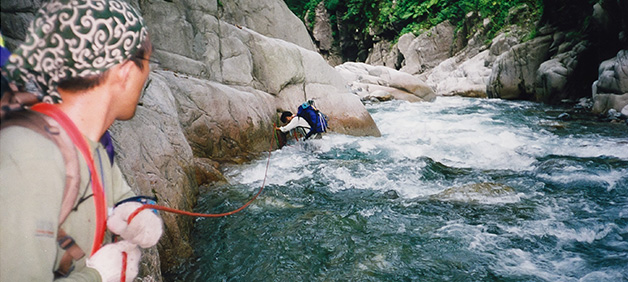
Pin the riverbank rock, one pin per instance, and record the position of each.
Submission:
(610, 91)
(377, 82)
(464, 74)
(467, 79)
(553, 74)
(468, 72)
(514, 72)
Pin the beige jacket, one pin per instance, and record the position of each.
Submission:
(32, 180)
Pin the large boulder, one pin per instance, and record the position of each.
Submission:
(467, 73)
(467, 79)
(554, 74)
(610, 91)
(366, 80)
(514, 73)
(428, 49)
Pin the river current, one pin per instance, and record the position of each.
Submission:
(455, 190)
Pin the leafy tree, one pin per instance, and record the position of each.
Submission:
(364, 20)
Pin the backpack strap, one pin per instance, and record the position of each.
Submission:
(100, 202)
(72, 253)
(50, 128)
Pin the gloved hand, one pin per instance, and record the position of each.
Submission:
(145, 229)
(108, 261)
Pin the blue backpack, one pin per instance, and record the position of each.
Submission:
(316, 119)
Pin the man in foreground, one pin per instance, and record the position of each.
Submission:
(90, 57)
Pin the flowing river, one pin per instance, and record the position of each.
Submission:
(455, 190)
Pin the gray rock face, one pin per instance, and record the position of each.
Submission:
(322, 32)
(514, 72)
(613, 74)
(269, 18)
(610, 91)
(158, 161)
(553, 74)
(383, 54)
(428, 49)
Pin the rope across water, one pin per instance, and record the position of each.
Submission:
(176, 211)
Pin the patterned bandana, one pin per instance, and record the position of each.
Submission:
(75, 38)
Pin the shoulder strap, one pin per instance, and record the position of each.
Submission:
(81, 144)
(49, 128)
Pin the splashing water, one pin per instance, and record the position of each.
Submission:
(455, 190)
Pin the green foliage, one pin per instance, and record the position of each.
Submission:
(301, 8)
(393, 18)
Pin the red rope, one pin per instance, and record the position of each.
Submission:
(124, 263)
(176, 211)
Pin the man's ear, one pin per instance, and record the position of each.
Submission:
(122, 72)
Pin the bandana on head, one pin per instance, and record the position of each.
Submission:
(75, 38)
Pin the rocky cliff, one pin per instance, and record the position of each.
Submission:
(227, 68)
(575, 50)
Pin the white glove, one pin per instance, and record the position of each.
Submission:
(108, 261)
(145, 228)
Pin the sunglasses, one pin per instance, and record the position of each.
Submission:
(151, 61)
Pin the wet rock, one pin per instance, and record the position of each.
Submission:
(391, 194)
(207, 172)
(564, 117)
(486, 192)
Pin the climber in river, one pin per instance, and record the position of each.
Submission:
(56, 207)
(308, 119)
(293, 122)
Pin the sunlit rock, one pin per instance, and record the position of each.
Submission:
(467, 79)
(366, 79)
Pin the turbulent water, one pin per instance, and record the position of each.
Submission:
(455, 190)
